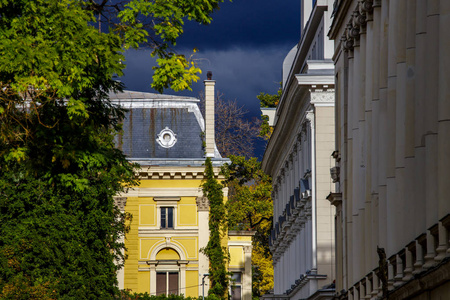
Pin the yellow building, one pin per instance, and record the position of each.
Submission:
(166, 136)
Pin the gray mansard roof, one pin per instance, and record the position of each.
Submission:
(160, 127)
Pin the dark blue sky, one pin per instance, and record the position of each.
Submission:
(244, 47)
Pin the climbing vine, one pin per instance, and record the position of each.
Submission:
(214, 250)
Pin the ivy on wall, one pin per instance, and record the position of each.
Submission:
(216, 253)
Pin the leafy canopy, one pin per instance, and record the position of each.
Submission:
(59, 170)
(268, 101)
(250, 207)
(157, 24)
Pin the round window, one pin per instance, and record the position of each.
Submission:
(166, 138)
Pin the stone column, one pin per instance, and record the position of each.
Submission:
(373, 80)
(203, 238)
(383, 130)
(368, 124)
(419, 107)
(247, 278)
(182, 264)
(410, 99)
(431, 111)
(444, 110)
(390, 137)
(152, 264)
(121, 202)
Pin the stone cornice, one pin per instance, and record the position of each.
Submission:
(164, 192)
(311, 89)
(241, 233)
(335, 199)
(289, 122)
(173, 172)
(316, 80)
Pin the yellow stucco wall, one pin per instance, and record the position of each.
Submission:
(137, 275)
(145, 215)
(143, 282)
(170, 183)
(167, 254)
(191, 284)
(236, 257)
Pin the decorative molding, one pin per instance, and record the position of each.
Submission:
(310, 117)
(248, 249)
(163, 192)
(142, 174)
(335, 173)
(120, 202)
(321, 97)
(357, 24)
(336, 155)
(335, 198)
(202, 204)
(166, 138)
(164, 198)
(366, 8)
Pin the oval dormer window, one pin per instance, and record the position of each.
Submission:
(166, 138)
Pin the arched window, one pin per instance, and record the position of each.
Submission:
(167, 272)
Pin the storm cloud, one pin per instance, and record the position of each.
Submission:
(240, 73)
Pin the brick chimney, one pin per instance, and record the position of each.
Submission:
(209, 115)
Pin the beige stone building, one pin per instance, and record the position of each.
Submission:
(392, 174)
(297, 157)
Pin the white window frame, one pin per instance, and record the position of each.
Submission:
(166, 202)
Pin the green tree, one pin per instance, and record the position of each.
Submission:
(59, 169)
(60, 232)
(156, 24)
(249, 207)
(214, 250)
(268, 101)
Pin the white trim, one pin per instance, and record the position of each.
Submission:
(166, 244)
(145, 231)
(305, 79)
(164, 192)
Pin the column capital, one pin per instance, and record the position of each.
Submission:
(248, 249)
(120, 202)
(202, 203)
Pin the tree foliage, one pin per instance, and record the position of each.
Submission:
(249, 207)
(268, 101)
(214, 250)
(59, 169)
(156, 24)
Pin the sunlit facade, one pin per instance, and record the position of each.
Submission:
(298, 159)
(164, 135)
(392, 157)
